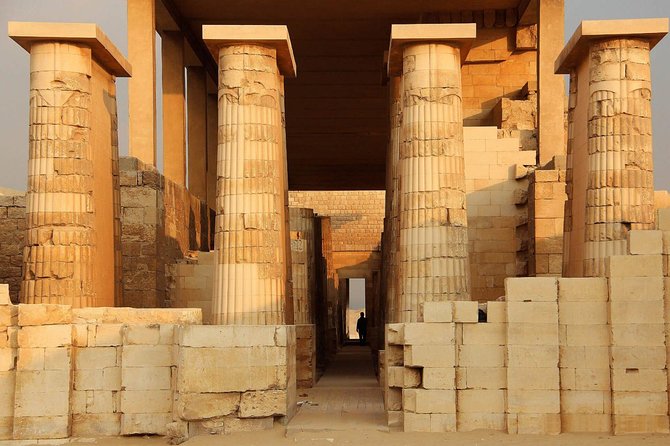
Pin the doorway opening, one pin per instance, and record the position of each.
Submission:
(355, 306)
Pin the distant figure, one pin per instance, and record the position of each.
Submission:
(362, 328)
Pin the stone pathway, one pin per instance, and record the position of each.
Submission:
(347, 397)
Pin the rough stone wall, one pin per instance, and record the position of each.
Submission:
(559, 355)
(190, 283)
(356, 217)
(12, 236)
(161, 222)
(497, 195)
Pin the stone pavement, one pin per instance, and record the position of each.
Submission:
(346, 397)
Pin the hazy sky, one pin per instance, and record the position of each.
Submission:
(110, 15)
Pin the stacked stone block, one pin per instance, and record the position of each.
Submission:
(481, 375)
(147, 368)
(586, 402)
(43, 372)
(191, 283)
(8, 345)
(638, 359)
(305, 355)
(12, 237)
(533, 397)
(303, 264)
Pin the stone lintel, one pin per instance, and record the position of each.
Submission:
(461, 34)
(652, 30)
(274, 36)
(89, 34)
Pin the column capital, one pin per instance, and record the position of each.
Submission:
(274, 36)
(461, 34)
(652, 30)
(89, 34)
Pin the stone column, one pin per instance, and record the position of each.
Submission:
(59, 259)
(250, 285)
(302, 260)
(614, 145)
(174, 107)
(433, 248)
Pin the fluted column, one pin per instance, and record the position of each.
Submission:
(302, 259)
(610, 183)
(433, 248)
(250, 285)
(62, 216)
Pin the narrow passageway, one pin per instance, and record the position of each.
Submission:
(347, 396)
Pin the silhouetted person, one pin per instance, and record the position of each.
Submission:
(362, 328)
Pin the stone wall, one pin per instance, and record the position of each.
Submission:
(12, 237)
(497, 194)
(161, 223)
(559, 355)
(121, 371)
(190, 283)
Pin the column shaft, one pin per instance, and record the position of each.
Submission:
(250, 278)
(60, 238)
(433, 222)
(620, 190)
(392, 160)
(174, 113)
(302, 261)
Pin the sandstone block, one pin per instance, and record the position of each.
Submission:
(532, 312)
(394, 355)
(582, 313)
(640, 424)
(531, 289)
(430, 356)
(533, 401)
(482, 378)
(438, 378)
(105, 335)
(146, 378)
(234, 424)
(429, 401)
(200, 406)
(582, 289)
(481, 355)
(584, 356)
(141, 334)
(45, 336)
(474, 421)
(645, 242)
(145, 423)
(421, 333)
(586, 401)
(636, 288)
(481, 401)
(532, 355)
(8, 315)
(639, 403)
(416, 422)
(466, 311)
(38, 404)
(436, 312)
(486, 334)
(263, 403)
(43, 381)
(528, 333)
(394, 418)
(146, 401)
(44, 314)
(41, 427)
(394, 334)
(585, 335)
(30, 359)
(442, 422)
(147, 356)
(640, 335)
(533, 378)
(539, 424)
(496, 312)
(639, 380)
(634, 266)
(95, 358)
(586, 423)
(96, 424)
(637, 312)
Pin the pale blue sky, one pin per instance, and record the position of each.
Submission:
(111, 16)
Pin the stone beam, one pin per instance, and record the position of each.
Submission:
(174, 107)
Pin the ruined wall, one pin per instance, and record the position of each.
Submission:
(161, 222)
(497, 194)
(559, 355)
(12, 237)
(122, 371)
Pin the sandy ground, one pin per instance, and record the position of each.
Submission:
(277, 437)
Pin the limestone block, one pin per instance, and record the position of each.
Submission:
(145, 423)
(141, 334)
(586, 335)
(586, 423)
(8, 315)
(496, 312)
(582, 289)
(478, 355)
(147, 356)
(474, 421)
(4, 294)
(532, 312)
(645, 242)
(393, 399)
(96, 424)
(582, 313)
(7, 386)
(7, 359)
(177, 432)
(482, 377)
(105, 335)
(438, 378)
(636, 288)
(395, 334)
(394, 355)
(421, 333)
(41, 427)
(146, 401)
(586, 401)
(88, 379)
(528, 333)
(639, 403)
(430, 356)
(583, 356)
(638, 358)
(44, 403)
(228, 336)
(137, 316)
(146, 378)
(58, 358)
(640, 335)
(95, 358)
(411, 377)
(533, 378)
(416, 422)
(45, 336)
(640, 424)
(394, 418)
(395, 377)
(466, 311)
(429, 401)
(80, 335)
(637, 312)
(639, 380)
(481, 401)
(44, 314)
(442, 422)
(532, 355)
(634, 266)
(531, 289)
(533, 401)
(485, 334)
(538, 424)
(263, 403)
(200, 406)
(436, 312)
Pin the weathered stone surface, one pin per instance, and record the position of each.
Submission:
(263, 403)
(202, 406)
(44, 314)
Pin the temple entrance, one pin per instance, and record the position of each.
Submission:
(355, 306)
